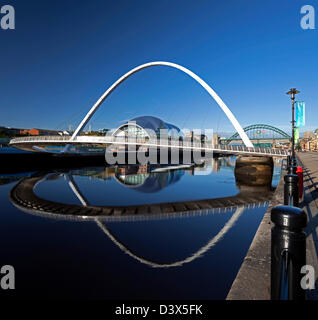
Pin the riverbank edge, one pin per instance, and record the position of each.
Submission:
(253, 280)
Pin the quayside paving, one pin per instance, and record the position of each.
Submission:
(253, 279)
(309, 162)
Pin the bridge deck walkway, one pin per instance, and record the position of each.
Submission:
(152, 143)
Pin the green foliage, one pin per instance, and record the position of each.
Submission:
(3, 134)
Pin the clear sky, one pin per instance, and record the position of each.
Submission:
(64, 54)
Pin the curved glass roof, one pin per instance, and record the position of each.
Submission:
(155, 124)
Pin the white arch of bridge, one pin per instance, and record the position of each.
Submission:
(211, 92)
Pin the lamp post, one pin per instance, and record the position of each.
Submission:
(292, 92)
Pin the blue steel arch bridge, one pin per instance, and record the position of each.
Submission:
(261, 135)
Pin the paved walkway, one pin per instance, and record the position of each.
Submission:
(309, 161)
(254, 277)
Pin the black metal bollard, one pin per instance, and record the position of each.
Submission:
(291, 164)
(289, 161)
(288, 253)
(291, 170)
(291, 192)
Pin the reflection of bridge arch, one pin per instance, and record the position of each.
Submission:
(23, 197)
(211, 92)
(179, 263)
(283, 134)
(239, 210)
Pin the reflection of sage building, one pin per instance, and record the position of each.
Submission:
(148, 182)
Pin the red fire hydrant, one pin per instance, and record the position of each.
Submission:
(300, 174)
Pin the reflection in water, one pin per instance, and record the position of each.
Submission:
(139, 178)
(179, 263)
(221, 216)
(9, 178)
(143, 179)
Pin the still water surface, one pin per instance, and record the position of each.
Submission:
(195, 256)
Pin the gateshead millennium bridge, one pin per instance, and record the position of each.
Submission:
(37, 143)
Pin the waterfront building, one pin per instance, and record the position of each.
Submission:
(309, 144)
(147, 127)
(308, 134)
(39, 132)
(10, 132)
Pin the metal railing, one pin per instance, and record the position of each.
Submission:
(38, 138)
(150, 143)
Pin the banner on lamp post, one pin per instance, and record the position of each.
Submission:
(300, 114)
(296, 135)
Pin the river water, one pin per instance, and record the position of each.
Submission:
(184, 254)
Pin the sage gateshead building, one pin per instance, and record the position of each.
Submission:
(147, 128)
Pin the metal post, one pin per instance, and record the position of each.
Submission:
(291, 169)
(288, 161)
(292, 92)
(294, 162)
(288, 252)
(291, 190)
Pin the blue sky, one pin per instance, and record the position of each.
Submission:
(64, 54)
